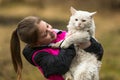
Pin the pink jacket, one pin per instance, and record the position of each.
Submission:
(53, 52)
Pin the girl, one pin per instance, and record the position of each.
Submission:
(38, 35)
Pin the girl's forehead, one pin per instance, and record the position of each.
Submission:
(42, 23)
(42, 27)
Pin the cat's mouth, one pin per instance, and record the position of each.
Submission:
(79, 27)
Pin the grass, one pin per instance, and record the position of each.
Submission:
(107, 32)
(110, 68)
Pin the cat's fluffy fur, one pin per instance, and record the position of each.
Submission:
(85, 65)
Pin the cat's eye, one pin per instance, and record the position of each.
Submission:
(83, 20)
(76, 19)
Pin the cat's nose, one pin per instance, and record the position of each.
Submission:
(79, 24)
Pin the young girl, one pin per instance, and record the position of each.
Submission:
(38, 35)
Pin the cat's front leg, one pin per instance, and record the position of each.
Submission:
(77, 37)
(65, 44)
(56, 45)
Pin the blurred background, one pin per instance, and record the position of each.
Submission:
(57, 13)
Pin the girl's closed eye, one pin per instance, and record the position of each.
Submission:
(47, 26)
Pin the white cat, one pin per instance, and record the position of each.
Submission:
(80, 28)
(85, 65)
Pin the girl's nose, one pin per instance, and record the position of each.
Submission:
(50, 29)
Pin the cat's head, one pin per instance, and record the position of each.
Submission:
(81, 19)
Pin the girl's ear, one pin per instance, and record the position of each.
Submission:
(92, 14)
(73, 10)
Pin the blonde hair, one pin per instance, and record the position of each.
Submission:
(26, 31)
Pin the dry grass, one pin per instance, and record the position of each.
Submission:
(26, 10)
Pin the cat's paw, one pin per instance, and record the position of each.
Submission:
(56, 45)
(63, 45)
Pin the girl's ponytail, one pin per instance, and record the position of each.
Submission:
(15, 54)
(26, 31)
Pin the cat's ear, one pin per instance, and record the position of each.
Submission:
(92, 14)
(73, 10)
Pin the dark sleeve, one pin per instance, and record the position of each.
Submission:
(52, 64)
(95, 48)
